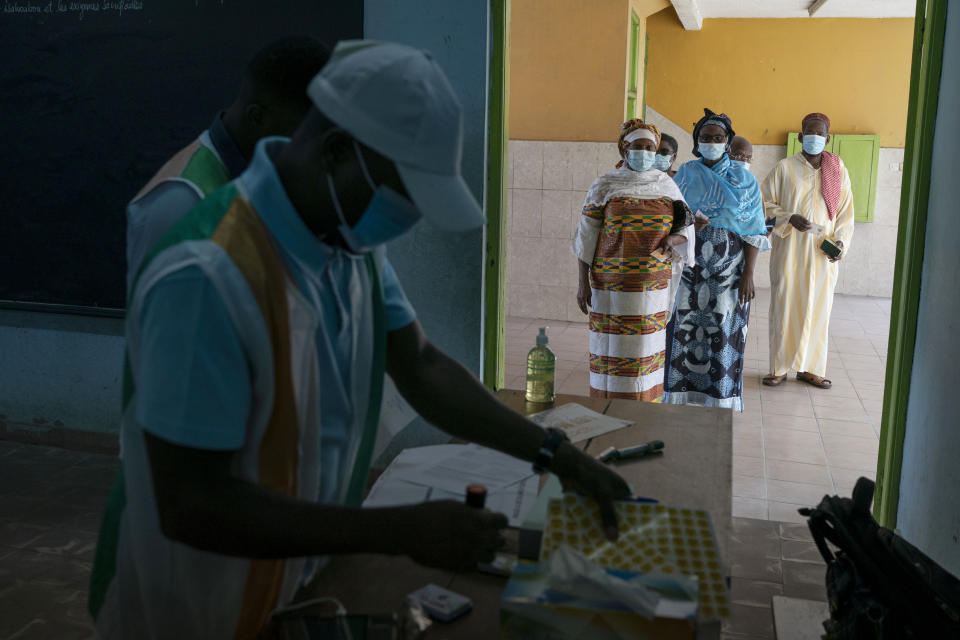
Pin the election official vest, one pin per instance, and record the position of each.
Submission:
(228, 597)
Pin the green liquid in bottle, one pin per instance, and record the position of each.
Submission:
(541, 371)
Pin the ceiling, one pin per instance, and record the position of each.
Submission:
(798, 9)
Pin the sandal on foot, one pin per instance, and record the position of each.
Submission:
(815, 380)
(773, 381)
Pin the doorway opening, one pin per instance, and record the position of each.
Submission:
(792, 443)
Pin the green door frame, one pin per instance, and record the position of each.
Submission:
(646, 59)
(494, 332)
(928, 38)
(633, 65)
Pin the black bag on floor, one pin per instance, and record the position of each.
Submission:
(879, 585)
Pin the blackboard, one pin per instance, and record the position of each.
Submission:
(94, 97)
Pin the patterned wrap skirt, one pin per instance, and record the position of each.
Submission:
(709, 326)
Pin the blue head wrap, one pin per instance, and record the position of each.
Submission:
(722, 120)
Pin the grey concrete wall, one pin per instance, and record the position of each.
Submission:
(929, 515)
(441, 272)
(59, 372)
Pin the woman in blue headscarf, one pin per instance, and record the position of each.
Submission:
(705, 365)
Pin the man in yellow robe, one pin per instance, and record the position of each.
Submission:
(810, 198)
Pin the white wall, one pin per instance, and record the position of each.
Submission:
(929, 514)
(548, 183)
(549, 180)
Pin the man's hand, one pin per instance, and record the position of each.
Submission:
(747, 291)
(700, 221)
(584, 297)
(583, 474)
(450, 535)
(799, 222)
(839, 243)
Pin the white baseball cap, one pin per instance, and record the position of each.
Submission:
(397, 101)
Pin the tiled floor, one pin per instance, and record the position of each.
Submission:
(50, 505)
(792, 443)
(770, 559)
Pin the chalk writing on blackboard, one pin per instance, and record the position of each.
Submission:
(80, 9)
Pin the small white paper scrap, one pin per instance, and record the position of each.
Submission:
(578, 422)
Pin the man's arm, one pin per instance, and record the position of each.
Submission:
(450, 397)
(771, 188)
(844, 219)
(193, 402)
(201, 504)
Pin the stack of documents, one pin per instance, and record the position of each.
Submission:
(443, 472)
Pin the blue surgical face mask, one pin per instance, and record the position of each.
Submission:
(663, 162)
(388, 215)
(640, 160)
(712, 150)
(813, 144)
(740, 163)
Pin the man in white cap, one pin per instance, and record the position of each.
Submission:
(259, 332)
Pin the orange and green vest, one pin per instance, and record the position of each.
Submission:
(229, 221)
(198, 164)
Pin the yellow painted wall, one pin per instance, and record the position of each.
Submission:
(568, 67)
(766, 77)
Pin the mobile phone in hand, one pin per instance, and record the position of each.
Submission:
(830, 248)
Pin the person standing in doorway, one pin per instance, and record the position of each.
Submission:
(272, 101)
(741, 155)
(667, 154)
(741, 152)
(713, 301)
(810, 198)
(634, 231)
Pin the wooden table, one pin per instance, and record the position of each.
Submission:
(694, 471)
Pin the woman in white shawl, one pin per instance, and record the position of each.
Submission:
(633, 238)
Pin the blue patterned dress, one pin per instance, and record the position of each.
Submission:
(708, 331)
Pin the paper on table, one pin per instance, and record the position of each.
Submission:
(413, 478)
(578, 422)
(469, 464)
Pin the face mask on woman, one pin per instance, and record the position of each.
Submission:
(663, 162)
(640, 160)
(388, 215)
(712, 150)
(740, 163)
(813, 144)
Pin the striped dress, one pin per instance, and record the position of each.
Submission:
(631, 293)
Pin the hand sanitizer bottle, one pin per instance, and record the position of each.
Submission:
(541, 371)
